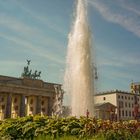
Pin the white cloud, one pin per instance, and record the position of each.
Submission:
(24, 44)
(107, 56)
(28, 31)
(132, 9)
(32, 38)
(25, 36)
(53, 26)
(119, 61)
(130, 5)
(130, 22)
(15, 25)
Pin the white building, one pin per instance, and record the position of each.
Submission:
(127, 104)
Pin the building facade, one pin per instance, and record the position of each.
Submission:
(26, 96)
(127, 104)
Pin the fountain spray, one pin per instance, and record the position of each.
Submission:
(79, 79)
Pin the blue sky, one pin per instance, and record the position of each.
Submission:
(38, 30)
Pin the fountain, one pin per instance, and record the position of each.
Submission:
(79, 72)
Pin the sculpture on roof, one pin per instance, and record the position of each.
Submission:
(27, 72)
(28, 62)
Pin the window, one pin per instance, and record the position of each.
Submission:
(31, 108)
(43, 109)
(133, 113)
(3, 107)
(126, 113)
(42, 103)
(122, 97)
(128, 98)
(2, 99)
(121, 104)
(104, 98)
(132, 98)
(125, 104)
(122, 112)
(15, 100)
(129, 113)
(31, 101)
(118, 96)
(125, 97)
(16, 107)
(129, 105)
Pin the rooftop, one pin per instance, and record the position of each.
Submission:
(24, 81)
(114, 92)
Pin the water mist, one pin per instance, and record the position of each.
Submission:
(79, 71)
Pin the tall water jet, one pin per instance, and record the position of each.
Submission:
(79, 71)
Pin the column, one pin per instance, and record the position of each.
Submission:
(3, 104)
(31, 105)
(22, 106)
(38, 104)
(27, 108)
(50, 104)
(8, 106)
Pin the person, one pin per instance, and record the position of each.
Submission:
(87, 113)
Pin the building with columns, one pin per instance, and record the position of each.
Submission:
(28, 96)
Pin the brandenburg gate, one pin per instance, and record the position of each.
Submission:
(29, 96)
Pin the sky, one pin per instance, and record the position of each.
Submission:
(38, 30)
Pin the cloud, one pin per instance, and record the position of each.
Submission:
(16, 25)
(119, 61)
(107, 56)
(28, 31)
(24, 44)
(130, 5)
(32, 38)
(25, 35)
(129, 21)
(132, 9)
(44, 20)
